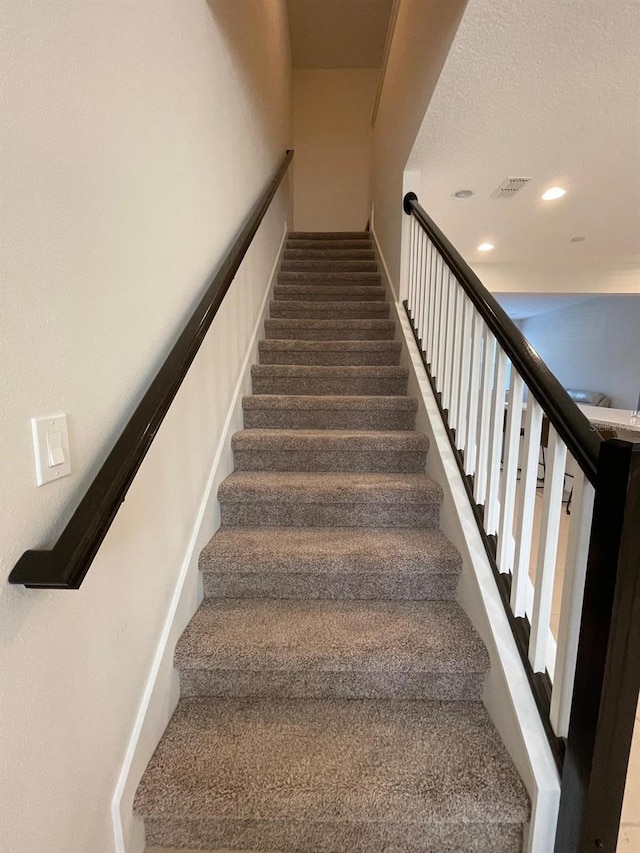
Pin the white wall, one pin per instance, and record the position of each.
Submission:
(332, 140)
(612, 277)
(593, 345)
(422, 37)
(136, 136)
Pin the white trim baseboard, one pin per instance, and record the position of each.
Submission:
(189, 563)
(507, 695)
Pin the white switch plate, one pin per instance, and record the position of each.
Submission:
(51, 448)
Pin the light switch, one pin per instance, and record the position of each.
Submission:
(55, 451)
(50, 448)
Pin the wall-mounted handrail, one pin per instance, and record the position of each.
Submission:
(66, 564)
(581, 440)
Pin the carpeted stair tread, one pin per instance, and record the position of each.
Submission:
(329, 499)
(328, 265)
(322, 293)
(300, 550)
(331, 649)
(328, 235)
(413, 564)
(329, 353)
(294, 254)
(303, 411)
(330, 450)
(329, 310)
(331, 330)
(323, 776)
(358, 441)
(332, 636)
(328, 243)
(329, 278)
(386, 380)
(321, 487)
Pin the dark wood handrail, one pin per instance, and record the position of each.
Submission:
(582, 441)
(66, 564)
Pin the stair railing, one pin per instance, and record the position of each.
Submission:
(503, 408)
(67, 563)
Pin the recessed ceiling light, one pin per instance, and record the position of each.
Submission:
(463, 194)
(553, 193)
(579, 239)
(485, 247)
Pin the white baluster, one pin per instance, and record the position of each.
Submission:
(547, 550)
(575, 571)
(496, 432)
(421, 286)
(412, 268)
(526, 510)
(510, 472)
(458, 329)
(450, 351)
(442, 333)
(474, 392)
(431, 266)
(484, 419)
(435, 365)
(464, 384)
(426, 287)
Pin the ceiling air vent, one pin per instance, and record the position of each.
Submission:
(509, 187)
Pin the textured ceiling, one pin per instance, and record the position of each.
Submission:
(548, 90)
(338, 33)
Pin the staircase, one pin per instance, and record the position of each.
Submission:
(330, 684)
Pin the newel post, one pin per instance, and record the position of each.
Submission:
(607, 676)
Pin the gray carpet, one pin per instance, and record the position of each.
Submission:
(330, 683)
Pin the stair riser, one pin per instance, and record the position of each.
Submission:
(336, 386)
(379, 462)
(333, 837)
(328, 255)
(330, 279)
(328, 419)
(330, 310)
(283, 330)
(272, 684)
(319, 265)
(269, 512)
(317, 293)
(350, 584)
(335, 358)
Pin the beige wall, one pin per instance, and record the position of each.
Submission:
(422, 38)
(136, 136)
(332, 137)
